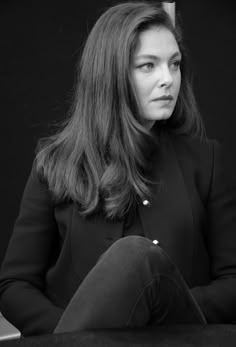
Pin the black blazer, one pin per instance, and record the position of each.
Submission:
(192, 214)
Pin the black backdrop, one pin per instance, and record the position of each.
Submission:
(40, 43)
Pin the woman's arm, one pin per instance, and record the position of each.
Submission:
(218, 299)
(22, 298)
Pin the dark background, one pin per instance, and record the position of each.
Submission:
(40, 44)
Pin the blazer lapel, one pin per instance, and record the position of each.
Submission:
(169, 217)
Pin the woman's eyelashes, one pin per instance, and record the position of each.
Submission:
(149, 66)
(146, 67)
(176, 64)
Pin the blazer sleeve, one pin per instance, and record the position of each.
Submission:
(22, 298)
(218, 299)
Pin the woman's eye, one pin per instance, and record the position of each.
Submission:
(176, 64)
(146, 67)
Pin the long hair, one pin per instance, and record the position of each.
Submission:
(99, 157)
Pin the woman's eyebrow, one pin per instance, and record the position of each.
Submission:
(155, 57)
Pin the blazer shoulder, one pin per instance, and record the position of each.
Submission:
(195, 151)
(198, 159)
(200, 146)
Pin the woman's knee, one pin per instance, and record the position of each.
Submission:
(131, 246)
(142, 251)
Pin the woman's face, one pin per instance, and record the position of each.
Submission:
(156, 73)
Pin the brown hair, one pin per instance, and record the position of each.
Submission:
(98, 158)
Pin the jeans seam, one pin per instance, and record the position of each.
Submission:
(147, 285)
(139, 296)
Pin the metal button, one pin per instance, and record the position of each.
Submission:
(146, 203)
(155, 242)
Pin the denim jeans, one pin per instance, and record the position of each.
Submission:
(134, 284)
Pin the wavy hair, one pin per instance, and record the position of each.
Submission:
(98, 158)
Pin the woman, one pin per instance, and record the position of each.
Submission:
(126, 219)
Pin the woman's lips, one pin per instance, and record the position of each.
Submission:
(164, 98)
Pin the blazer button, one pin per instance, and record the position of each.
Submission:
(146, 203)
(155, 242)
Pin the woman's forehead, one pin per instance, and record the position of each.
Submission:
(156, 41)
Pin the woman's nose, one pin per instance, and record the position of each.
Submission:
(165, 77)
